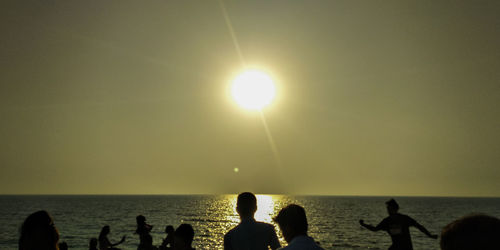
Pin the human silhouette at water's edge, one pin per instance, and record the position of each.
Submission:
(38, 232)
(104, 243)
(143, 230)
(472, 232)
(292, 221)
(169, 239)
(397, 226)
(183, 237)
(250, 234)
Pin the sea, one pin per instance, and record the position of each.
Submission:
(333, 220)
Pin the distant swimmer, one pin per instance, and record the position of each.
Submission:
(104, 243)
(397, 226)
(250, 234)
(292, 221)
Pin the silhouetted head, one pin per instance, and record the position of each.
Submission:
(169, 229)
(183, 237)
(93, 243)
(392, 206)
(472, 232)
(246, 205)
(104, 231)
(140, 219)
(292, 221)
(38, 232)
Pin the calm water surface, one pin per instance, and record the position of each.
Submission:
(333, 220)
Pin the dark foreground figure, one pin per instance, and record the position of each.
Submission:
(38, 232)
(143, 230)
(292, 221)
(397, 226)
(104, 243)
(183, 237)
(250, 234)
(472, 232)
(168, 242)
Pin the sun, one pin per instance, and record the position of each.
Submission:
(253, 89)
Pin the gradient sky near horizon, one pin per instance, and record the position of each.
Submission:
(131, 97)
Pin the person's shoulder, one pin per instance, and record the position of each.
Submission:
(264, 225)
(229, 233)
(232, 231)
(406, 217)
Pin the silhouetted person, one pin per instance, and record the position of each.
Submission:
(183, 237)
(250, 234)
(104, 243)
(292, 221)
(472, 232)
(143, 229)
(169, 239)
(397, 226)
(63, 246)
(93, 244)
(38, 232)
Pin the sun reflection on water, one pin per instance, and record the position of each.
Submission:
(268, 207)
(265, 208)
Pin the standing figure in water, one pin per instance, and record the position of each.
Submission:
(397, 226)
(250, 234)
(104, 243)
(38, 232)
(143, 229)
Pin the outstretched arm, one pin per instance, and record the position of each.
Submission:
(368, 226)
(425, 231)
(120, 242)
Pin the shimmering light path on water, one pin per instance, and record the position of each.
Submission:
(333, 220)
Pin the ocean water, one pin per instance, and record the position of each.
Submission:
(333, 220)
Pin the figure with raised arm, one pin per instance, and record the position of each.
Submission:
(143, 229)
(397, 226)
(104, 243)
(250, 234)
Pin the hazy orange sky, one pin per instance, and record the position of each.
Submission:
(130, 97)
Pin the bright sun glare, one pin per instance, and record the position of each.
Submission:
(253, 89)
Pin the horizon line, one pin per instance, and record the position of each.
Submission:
(200, 194)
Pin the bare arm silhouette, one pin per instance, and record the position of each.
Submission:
(369, 227)
(118, 243)
(425, 231)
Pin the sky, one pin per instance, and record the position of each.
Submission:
(390, 98)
